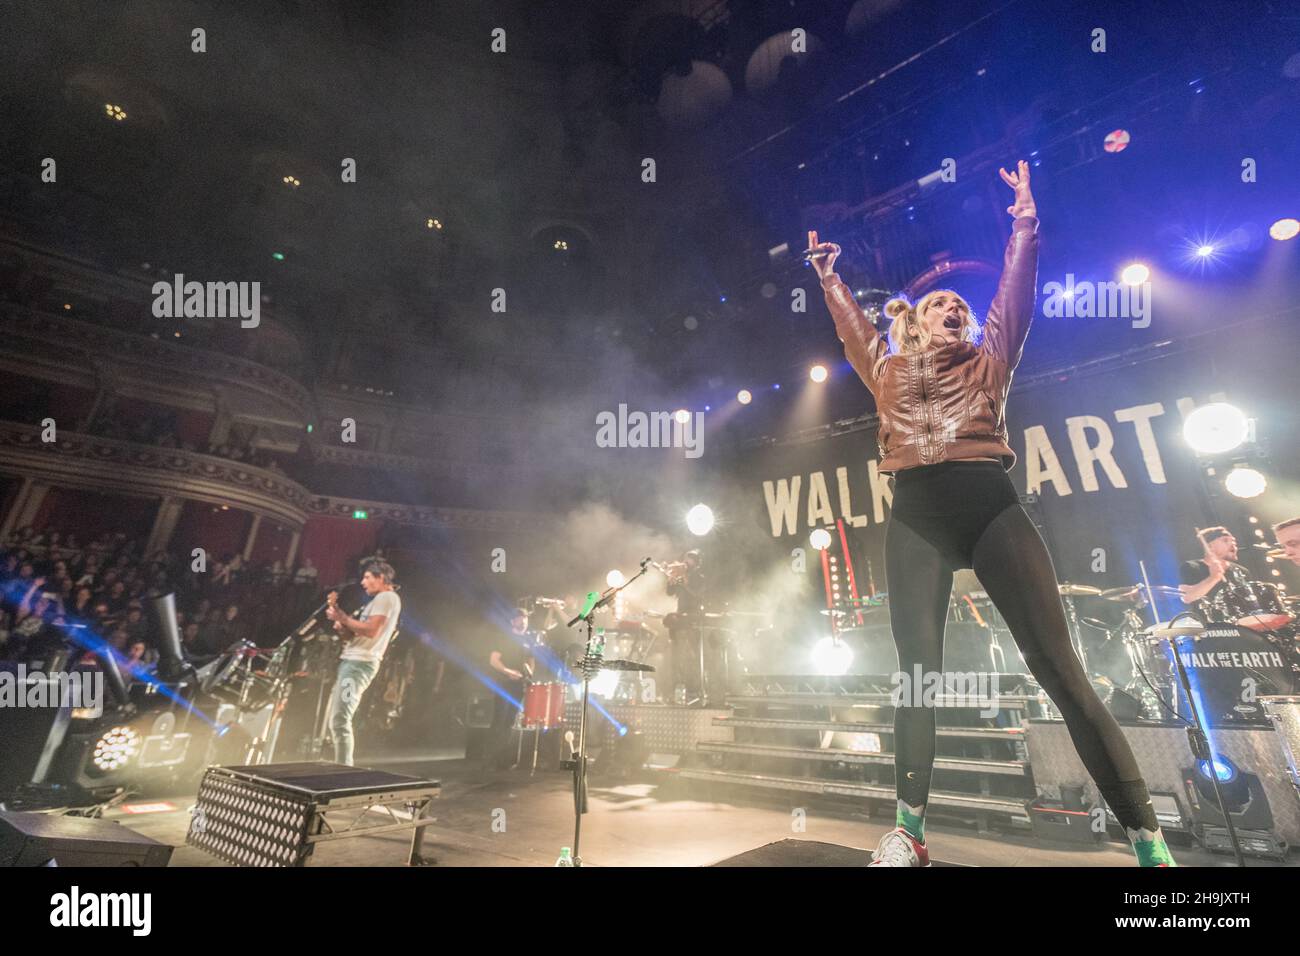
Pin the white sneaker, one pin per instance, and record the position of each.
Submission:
(900, 848)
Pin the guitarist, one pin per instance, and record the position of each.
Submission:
(366, 637)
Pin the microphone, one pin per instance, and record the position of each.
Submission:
(812, 252)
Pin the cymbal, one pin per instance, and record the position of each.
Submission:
(1077, 590)
(1169, 630)
(618, 665)
(1136, 593)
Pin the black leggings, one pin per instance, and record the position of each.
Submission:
(965, 514)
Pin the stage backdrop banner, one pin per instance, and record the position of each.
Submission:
(1101, 450)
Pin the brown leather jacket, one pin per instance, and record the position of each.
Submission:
(946, 403)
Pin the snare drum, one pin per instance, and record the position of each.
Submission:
(544, 705)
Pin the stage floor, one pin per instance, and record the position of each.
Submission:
(631, 825)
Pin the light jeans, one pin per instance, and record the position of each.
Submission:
(353, 679)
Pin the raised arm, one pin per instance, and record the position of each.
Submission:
(863, 345)
(1007, 324)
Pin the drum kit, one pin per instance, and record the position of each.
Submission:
(1245, 638)
(1252, 637)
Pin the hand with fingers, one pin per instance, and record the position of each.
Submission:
(825, 254)
(1019, 181)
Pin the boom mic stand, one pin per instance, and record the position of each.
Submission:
(591, 663)
(1198, 739)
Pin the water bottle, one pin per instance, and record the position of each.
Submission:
(566, 857)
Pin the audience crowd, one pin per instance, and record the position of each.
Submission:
(56, 590)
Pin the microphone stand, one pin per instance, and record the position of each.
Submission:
(1198, 739)
(299, 634)
(591, 661)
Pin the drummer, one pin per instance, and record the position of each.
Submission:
(513, 663)
(1204, 579)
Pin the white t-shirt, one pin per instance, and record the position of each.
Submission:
(385, 603)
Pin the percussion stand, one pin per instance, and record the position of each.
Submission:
(591, 661)
(1130, 630)
(1072, 615)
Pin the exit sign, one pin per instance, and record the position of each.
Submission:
(360, 515)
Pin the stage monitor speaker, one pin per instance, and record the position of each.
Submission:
(478, 711)
(34, 839)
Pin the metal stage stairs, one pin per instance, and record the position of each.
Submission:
(833, 737)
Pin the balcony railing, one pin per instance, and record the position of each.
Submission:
(67, 339)
(92, 463)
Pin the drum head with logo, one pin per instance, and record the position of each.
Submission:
(1229, 668)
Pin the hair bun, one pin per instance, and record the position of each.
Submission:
(897, 308)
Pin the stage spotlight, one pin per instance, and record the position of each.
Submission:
(1205, 251)
(818, 373)
(1284, 229)
(1135, 274)
(682, 416)
(1245, 482)
(1116, 141)
(744, 397)
(615, 579)
(116, 748)
(699, 520)
(820, 539)
(1224, 768)
(1216, 428)
(832, 657)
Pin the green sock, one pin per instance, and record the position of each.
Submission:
(911, 819)
(1150, 848)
